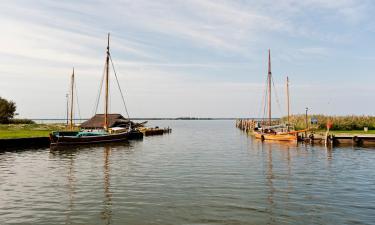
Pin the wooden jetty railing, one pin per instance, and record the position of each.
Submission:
(249, 124)
(246, 125)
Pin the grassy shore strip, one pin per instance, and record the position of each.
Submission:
(353, 132)
(346, 132)
(340, 123)
(28, 130)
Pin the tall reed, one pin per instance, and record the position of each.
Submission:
(339, 122)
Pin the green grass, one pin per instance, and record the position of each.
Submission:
(28, 130)
(339, 123)
(352, 132)
(349, 132)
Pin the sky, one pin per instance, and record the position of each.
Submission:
(198, 58)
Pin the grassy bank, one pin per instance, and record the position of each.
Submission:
(340, 123)
(28, 130)
(352, 132)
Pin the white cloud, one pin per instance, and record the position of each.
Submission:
(173, 56)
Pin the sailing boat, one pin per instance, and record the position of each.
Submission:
(59, 138)
(276, 132)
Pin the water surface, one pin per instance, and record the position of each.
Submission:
(205, 172)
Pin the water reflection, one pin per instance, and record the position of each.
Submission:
(269, 182)
(278, 159)
(69, 155)
(71, 187)
(107, 210)
(204, 173)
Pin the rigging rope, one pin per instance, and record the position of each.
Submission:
(79, 110)
(263, 103)
(95, 110)
(118, 84)
(265, 107)
(277, 97)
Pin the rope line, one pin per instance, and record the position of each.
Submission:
(263, 101)
(277, 97)
(95, 110)
(263, 105)
(118, 84)
(79, 110)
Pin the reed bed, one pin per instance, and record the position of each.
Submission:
(344, 123)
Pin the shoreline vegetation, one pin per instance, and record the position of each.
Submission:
(8, 131)
(353, 125)
(340, 124)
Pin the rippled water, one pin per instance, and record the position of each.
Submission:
(205, 172)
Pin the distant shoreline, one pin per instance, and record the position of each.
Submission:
(179, 118)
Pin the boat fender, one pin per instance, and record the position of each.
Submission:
(356, 139)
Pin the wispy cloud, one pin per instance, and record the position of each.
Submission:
(212, 52)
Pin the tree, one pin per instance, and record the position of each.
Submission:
(7, 110)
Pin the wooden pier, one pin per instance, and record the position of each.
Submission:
(360, 140)
(248, 125)
(150, 131)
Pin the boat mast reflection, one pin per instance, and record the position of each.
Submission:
(284, 149)
(106, 215)
(269, 182)
(71, 184)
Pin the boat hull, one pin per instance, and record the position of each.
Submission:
(276, 137)
(72, 140)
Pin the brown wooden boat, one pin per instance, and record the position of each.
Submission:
(279, 132)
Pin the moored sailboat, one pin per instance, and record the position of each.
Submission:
(105, 133)
(272, 132)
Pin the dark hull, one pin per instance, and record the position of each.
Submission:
(135, 135)
(70, 140)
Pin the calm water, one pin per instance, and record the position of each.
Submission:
(205, 172)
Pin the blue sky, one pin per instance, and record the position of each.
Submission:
(200, 58)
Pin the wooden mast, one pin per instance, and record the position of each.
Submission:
(72, 100)
(287, 98)
(269, 88)
(106, 88)
(67, 110)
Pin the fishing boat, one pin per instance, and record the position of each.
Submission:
(280, 132)
(105, 133)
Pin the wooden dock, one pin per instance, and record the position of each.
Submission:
(358, 140)
(246, 125)
(150, 131)
(313, 138)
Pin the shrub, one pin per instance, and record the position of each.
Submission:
(21, 121)
(7, 110)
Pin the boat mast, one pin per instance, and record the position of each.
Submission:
(269, 87)
(287, 98)
(67, 110)
(72, 100)
(106, 88)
